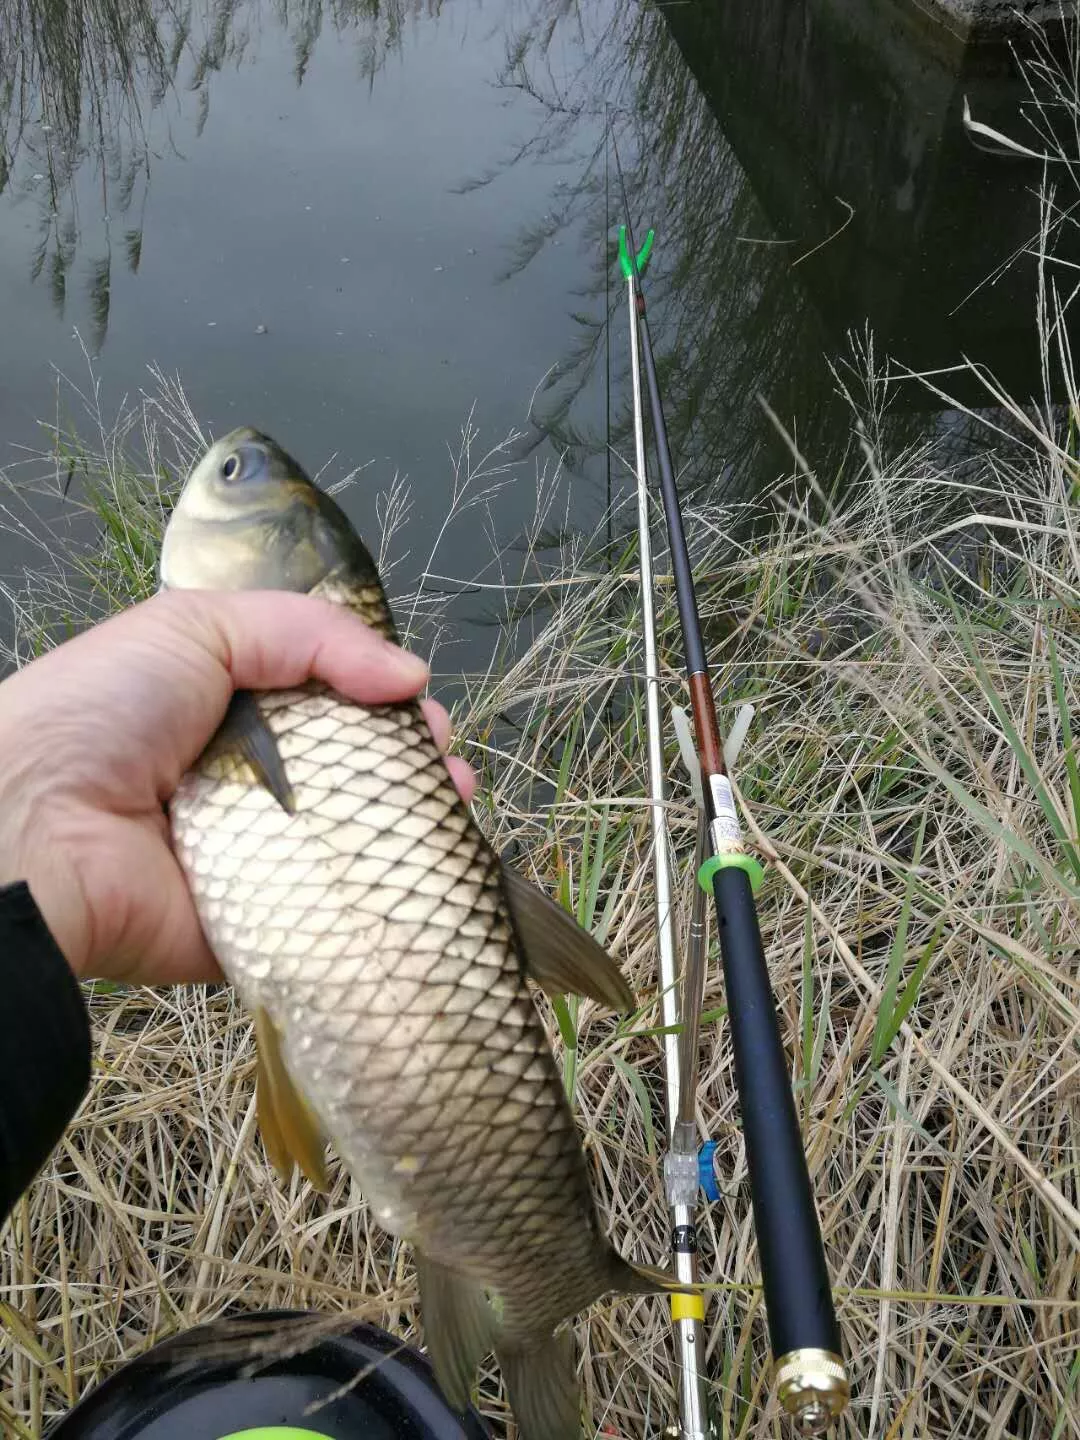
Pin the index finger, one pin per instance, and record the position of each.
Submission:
(274, 639)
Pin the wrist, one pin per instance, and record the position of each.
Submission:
(62, 915)
(30, 855)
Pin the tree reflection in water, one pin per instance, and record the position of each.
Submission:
(85, 87)
(90, 91)
(731, 323)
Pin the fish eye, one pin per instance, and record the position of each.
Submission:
(246, 462)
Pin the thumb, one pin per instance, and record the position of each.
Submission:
(193, 648)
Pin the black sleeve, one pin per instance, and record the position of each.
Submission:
(44, 1043)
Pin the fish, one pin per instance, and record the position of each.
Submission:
(386, 954)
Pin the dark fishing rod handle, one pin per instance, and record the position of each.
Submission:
(809, 1369)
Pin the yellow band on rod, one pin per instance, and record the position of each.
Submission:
(687, 1307)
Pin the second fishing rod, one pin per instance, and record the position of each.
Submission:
(805, 1339)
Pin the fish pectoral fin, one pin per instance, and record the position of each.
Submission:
(245, 735)
(559, 955)
(459, 1326)
(542, 1387)
(290, 1131)
(629, 1279)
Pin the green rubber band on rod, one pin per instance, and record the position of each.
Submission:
(276, 1432)
(642, 259)
(731, 861)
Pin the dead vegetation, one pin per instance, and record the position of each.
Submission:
(912, 778)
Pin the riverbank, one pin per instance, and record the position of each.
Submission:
(912, 781)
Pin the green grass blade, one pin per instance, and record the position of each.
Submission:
(808, 995)
(566, 1008)
(1072, 762)
(1067, 1411)
(892, 1095)
(910, 995)
(1021, 848)
(633, 1078)
(586, 849)
(897, 952)
(592, 872)
(1016, 744)
(566, 761)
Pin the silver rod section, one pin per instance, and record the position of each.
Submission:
(685, 1135)
(689, 1340)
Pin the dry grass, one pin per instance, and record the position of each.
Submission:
(912, 778)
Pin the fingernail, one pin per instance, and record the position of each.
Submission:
(408, 666)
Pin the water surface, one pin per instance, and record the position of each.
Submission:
(350, 224)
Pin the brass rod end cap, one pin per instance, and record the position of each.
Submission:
(813, 1388)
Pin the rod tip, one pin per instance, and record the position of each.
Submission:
(813, 1388)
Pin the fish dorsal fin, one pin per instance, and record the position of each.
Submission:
(244, 735)
(290, 1132)
(459, 1327)
(559, 955)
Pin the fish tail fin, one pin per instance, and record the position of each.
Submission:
(542, 1387)
(459, 1327)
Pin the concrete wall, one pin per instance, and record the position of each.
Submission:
(846, 117)
(1000, 16)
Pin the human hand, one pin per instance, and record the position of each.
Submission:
(96, 735)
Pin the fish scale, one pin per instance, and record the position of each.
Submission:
(362, 948)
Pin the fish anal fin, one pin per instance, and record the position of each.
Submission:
(277, 1152)
(290, 1131)
(542, 1387)
(459, 1327)
(559, 955)
(245, 736)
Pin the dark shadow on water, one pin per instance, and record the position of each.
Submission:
(848, 120)
(821, 213)
(804, 161)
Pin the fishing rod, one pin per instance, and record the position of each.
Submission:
(809, 1372)
(688, 1307)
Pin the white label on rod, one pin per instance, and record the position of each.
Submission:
(726, 825)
